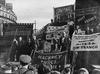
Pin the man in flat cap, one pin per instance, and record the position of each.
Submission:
(25, 62)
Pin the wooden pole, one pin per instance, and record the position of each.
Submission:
(33, 51)
(11, 47)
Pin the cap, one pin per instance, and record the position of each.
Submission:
(25, 58)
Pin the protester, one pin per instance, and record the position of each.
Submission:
(25, 66)
(47, 47)
(34, 45)
(28, 47)
(54, 45)
(71, 28)
(35, 42)
(40, 46)
(44, 68)
(97, 28)
(66, 70)
(64, 42)
(92, 31)
(20, 48)
(78, 31)
(88, 31)
(14, 50)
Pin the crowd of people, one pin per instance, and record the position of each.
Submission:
(23, 50)
(61, 44)
(86, 30)
(25, 67)
(22, 46)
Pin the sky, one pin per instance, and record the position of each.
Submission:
(41, 11)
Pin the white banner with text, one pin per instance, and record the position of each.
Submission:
(86, 42)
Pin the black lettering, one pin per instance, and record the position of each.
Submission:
(89, 43)
(96, 46)
(84, 47)
(92, 43)
(76, 47)
(85, 43)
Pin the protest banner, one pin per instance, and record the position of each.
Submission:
(86, 42)
(87, 48)
(51, 29)
(64, 13)
(57, 60)
(56, 31)
(55, 35)
(87, 15)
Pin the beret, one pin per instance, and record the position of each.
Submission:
(25, 58)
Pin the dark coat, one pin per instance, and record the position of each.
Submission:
(64, 43)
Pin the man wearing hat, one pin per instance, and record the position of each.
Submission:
(25, 62)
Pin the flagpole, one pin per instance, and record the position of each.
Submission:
(33, 51)
(74, 52)
(11, 47)
(65, 59)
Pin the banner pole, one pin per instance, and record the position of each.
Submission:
(74, 52)
(11, 47)
(33, 51)
(65, 60)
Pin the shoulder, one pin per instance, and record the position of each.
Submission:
(20, 71)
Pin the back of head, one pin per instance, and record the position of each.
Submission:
(25, 59)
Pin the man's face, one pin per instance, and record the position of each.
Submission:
(20, 38)
(34, 37)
